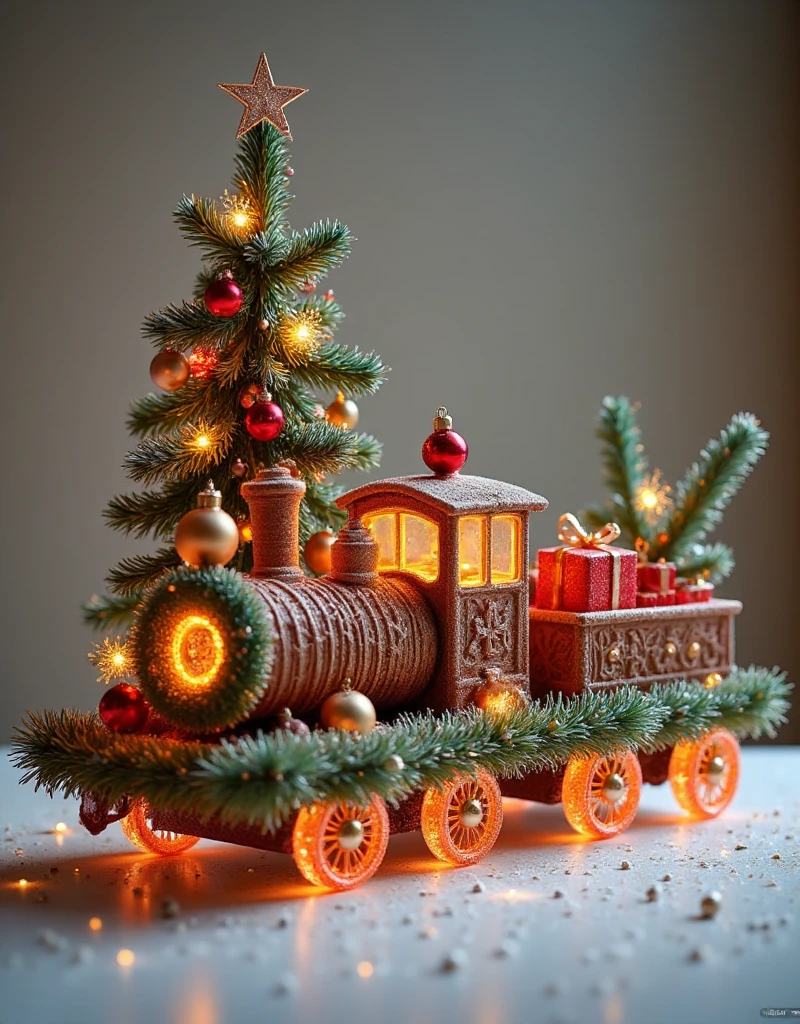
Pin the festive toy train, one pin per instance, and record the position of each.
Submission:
(426, 606)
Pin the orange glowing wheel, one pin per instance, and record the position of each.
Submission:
(704, 773)
(601, 794)
(339, 846)
(137, 826)
(461, 821)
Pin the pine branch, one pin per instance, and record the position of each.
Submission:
(709, 485)
(181, 327)
(714, 562)
(329, 310)
(320, 447)
(134, 575)
(312, 253)
(196, 401)
(624, 465)
(178, 458)
(343, 369)
(105, 612)
(201, 224)
(262, 779)
(153, 512)
(261, 164)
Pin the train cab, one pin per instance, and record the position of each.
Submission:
(464, 542)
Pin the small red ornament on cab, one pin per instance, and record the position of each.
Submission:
(444, 451)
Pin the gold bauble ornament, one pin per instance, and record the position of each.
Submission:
(349, 710)
(207, 535)
(170, 370)
(342, 412)
(317, 551)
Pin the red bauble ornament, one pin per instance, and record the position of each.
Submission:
(307, 287)
(264, 419)
(444, 451)
(124, 709)
(223, 296)
(290, 172)
(239, 468)
(328, 296)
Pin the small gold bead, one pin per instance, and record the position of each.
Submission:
(693, 650)
(713, 679)
(614, 654)
(670, 649)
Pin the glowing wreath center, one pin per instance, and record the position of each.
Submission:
(198, 650)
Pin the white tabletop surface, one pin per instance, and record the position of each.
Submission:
(254, 942)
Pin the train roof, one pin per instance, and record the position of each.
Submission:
(454, 495)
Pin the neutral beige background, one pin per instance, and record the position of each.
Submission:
(553, 200)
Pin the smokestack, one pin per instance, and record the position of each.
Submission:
(274, 501)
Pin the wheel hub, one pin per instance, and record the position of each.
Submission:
(614, 788)
(471, 813)
(716, 766)
(351, 834)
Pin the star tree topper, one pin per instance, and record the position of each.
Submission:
(263, 100)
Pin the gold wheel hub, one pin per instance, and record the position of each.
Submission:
(471, 813)
(716, 766)
(614, 788)
(351, 834)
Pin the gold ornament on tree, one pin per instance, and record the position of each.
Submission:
(239, 212)
(207, 535)
(111, 658)
(317, 552)
(349, 710)
(342, 412)
(170, 370)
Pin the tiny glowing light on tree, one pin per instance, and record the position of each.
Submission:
(239, 212)
(198, 650)
(61, 826)
(95, 924)
(652, 497)
(23, 883)
(300, 333)
(126, 958)
(365, 969)
(111, 658)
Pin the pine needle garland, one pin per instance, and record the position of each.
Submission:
(262, 779)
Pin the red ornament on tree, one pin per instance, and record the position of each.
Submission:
(264, 419)
(124, 709)
(444, 451)
(223, 297)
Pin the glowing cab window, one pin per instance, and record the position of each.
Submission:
(384, 531)
(472, 551)
(406, 542)
(505, 549)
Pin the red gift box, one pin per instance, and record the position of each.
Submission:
(656, 577)
(693, 591)
(647, 599)
(586, 575)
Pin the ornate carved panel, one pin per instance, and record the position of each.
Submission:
(489, 631)
(554, 652)
(658, 648)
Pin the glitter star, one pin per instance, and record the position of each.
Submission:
(263, 100)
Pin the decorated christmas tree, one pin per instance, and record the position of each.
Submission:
(241, 368)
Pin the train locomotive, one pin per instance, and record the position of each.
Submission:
(427, 606)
